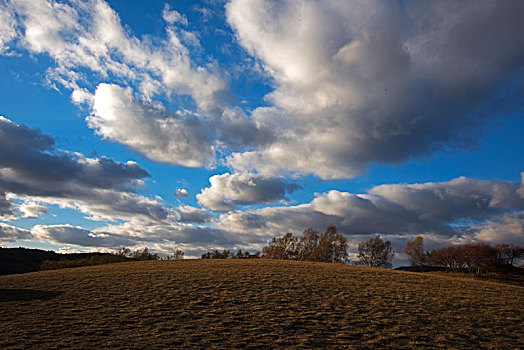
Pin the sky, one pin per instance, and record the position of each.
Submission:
(201, 125)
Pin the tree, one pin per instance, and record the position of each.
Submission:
(139, 254)
(509, 253)
(216, 254)
(480, 258)
(331, 247)
(144, 254)
(307, 244)
(415, 252)
(475, 258)
(281, 248)
(452, 258)
(376, 252)
(177, 255)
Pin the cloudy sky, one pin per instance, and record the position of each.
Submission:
(219, 124)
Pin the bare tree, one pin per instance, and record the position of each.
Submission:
(376, 252)
(330, 246)
(307, 244)
(475, 258)
(415, 252)
(284, 247)
(177, 255)
(509, 253)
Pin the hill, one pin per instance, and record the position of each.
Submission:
(21, 260)
(255, 304)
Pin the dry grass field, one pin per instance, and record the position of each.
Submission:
(255, 304)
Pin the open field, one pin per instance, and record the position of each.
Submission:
(255, 303)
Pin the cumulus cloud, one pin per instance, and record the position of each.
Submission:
(375, 81)
(172, 16)
(88, 42)
(236, 130)
(32, 210)
(353, 83)
(10, 233)
(148, 129)
(32, 169)
(458, 198)
(30, 164)
(189, 214)
(89, 35)
(7, 209)
(7, 28)
(460, 207)
(67, 234)
(181, 192)
(228, 190)
(507, 228)
(175, 232)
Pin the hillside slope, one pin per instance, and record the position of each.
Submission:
(255, 303)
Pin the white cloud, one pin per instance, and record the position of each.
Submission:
(89, 34)
(7, 209)
(7, 28)
(228, 190)
(505, 229)
(453, 212)
(79, 35)
(147, 129)
(74, 235)
(181, 192)
(45, 24)
(31, 209)
(460, 197)
(458, 208)
(374, 81)
(172, 16)
(33, 170)
(10, 233)
(189, 214)
(145, 230)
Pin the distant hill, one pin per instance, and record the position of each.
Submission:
(22, 260)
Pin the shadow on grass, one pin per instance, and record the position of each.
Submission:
(7, 295)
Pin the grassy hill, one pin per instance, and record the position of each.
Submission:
(255, 303)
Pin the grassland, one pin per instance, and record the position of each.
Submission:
(255, 304)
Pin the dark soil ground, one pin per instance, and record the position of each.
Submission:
(255, 304)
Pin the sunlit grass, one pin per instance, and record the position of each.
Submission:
(256, 303)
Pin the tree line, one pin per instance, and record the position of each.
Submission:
(121, 255)
(331, 246)
(228, 254)
(475, 258)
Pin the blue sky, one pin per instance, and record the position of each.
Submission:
(390, 118)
